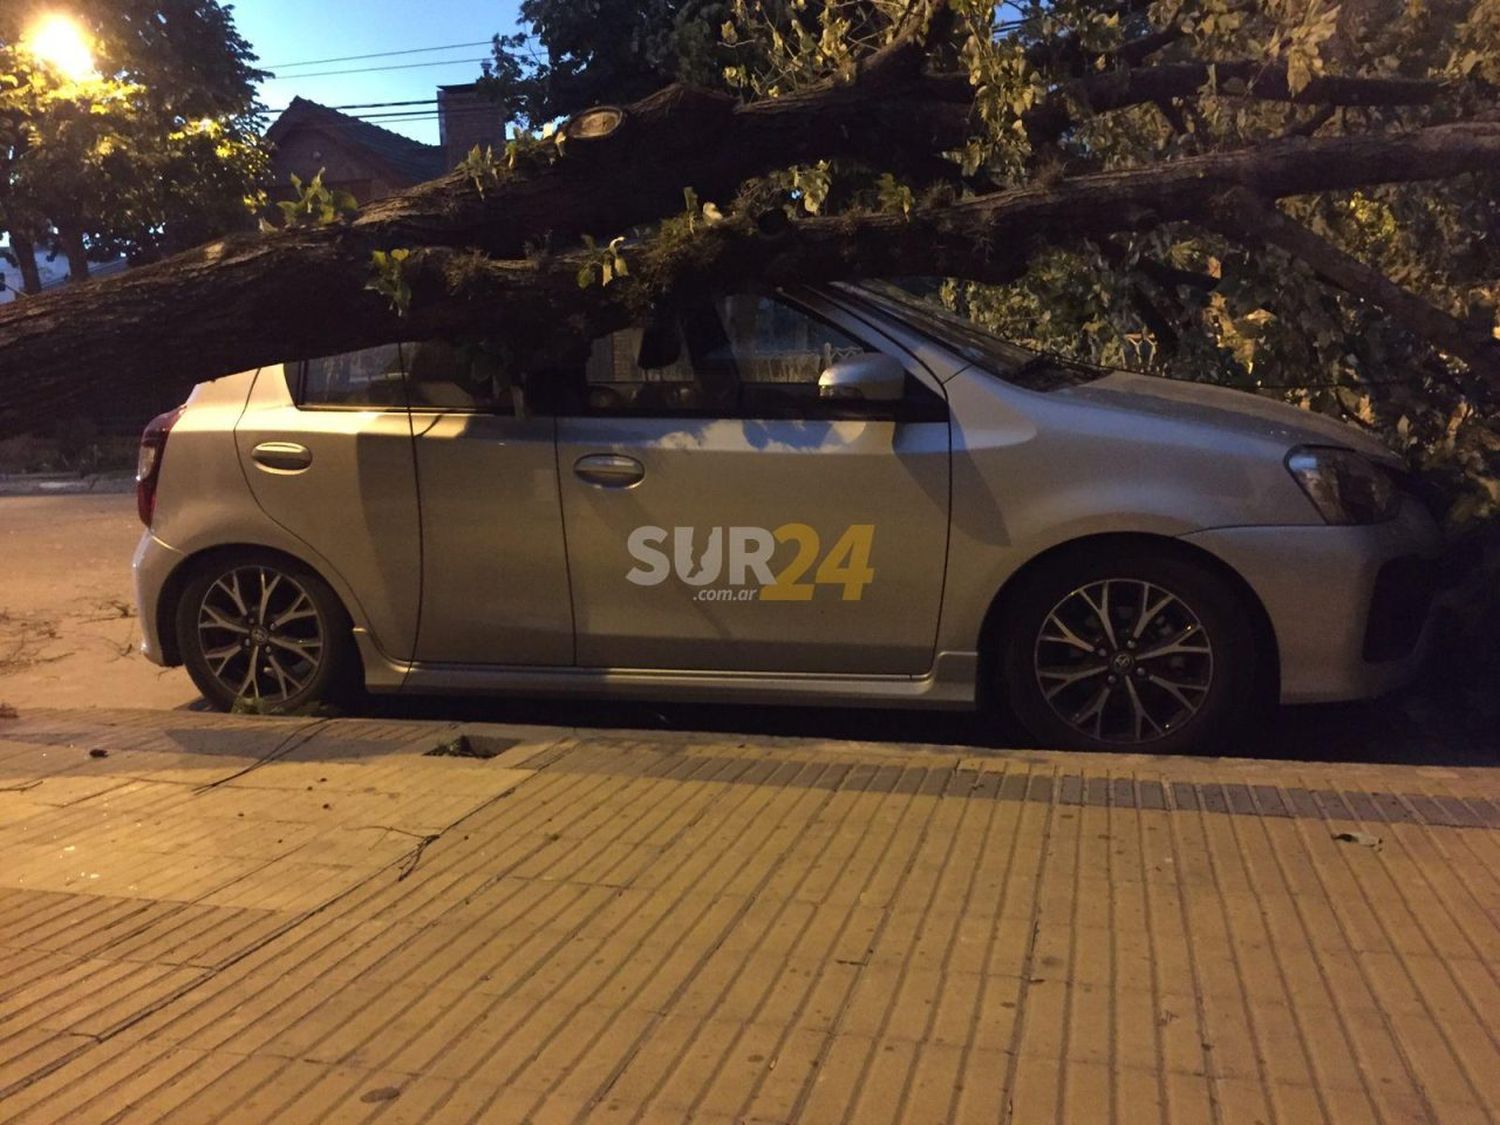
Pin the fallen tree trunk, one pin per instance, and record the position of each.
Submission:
(253, 300)
(249, 299)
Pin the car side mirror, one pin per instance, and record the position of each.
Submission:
(869, 377)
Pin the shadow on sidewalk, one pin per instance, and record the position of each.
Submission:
(1381, 731)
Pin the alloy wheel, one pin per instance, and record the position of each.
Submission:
(1123, 660)
(260, 634)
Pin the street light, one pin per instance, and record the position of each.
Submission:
(59, 42)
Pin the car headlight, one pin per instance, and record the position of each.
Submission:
(1346, 487)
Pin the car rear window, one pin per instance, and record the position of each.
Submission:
(369, 377)
(438, 375)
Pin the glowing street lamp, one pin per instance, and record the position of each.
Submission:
(64, 46)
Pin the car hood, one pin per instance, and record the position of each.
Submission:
(1224, 408)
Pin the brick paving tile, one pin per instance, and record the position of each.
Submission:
(240, 919)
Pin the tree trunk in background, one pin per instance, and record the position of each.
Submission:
(77, 253)
(25, 252)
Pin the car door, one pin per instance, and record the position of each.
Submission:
(326, 447)
(495, 579)
(720, 514)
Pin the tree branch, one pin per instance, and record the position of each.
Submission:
(889, 114)
(254, 300)
(1247, 217)
(1249, 78)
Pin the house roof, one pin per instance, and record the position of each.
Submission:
(411, 160)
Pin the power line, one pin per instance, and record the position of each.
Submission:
(451, 113)
(435, 108)
(379, 55)
(373, 69)
(365, 105)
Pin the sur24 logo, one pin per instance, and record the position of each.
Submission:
(743, 557)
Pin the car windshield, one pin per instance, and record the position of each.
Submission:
(1036, 371)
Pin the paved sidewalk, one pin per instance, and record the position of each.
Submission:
(295, 920)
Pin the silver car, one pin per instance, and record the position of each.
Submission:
(837, 495)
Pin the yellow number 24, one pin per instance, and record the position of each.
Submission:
(846, 565)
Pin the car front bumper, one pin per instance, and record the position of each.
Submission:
(1350, 606)
(151, 568)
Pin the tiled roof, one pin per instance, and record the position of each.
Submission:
(412, 160)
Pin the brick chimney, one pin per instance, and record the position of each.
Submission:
(466, 119)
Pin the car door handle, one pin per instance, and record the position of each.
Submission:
(282, 456)
(609, 470)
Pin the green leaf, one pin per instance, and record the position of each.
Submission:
(1298, 72)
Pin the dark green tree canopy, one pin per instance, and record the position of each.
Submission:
(572, 56)
(155, 151)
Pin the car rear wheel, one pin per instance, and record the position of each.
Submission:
(1128, 649)
(265, 632)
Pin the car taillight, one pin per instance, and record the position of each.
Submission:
(148, 462)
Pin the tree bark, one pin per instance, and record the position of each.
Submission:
(1245, 216)
(890, 114)
(25, 253)
(252, 300)
(75, 251)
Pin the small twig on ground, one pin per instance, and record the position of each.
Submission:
(416, 856)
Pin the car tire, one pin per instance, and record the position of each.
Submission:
(259, 604)
(1081, 670)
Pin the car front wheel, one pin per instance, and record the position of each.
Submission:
(1128, 648)
(264, 632)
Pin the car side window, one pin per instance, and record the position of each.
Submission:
(642, 370)
(749, 355)
(776, 352)
(458, 378)
(438, 374)
(367, 378)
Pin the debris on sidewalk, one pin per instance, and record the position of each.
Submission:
(97, 752)
(1365, 839)
(8, 712)
(472, 746)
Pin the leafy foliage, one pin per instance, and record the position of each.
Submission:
(389, 278)
(480, 168)
(608, 51)
(157, 152)
(1182, 301)
(315, 204)
(606, 263)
